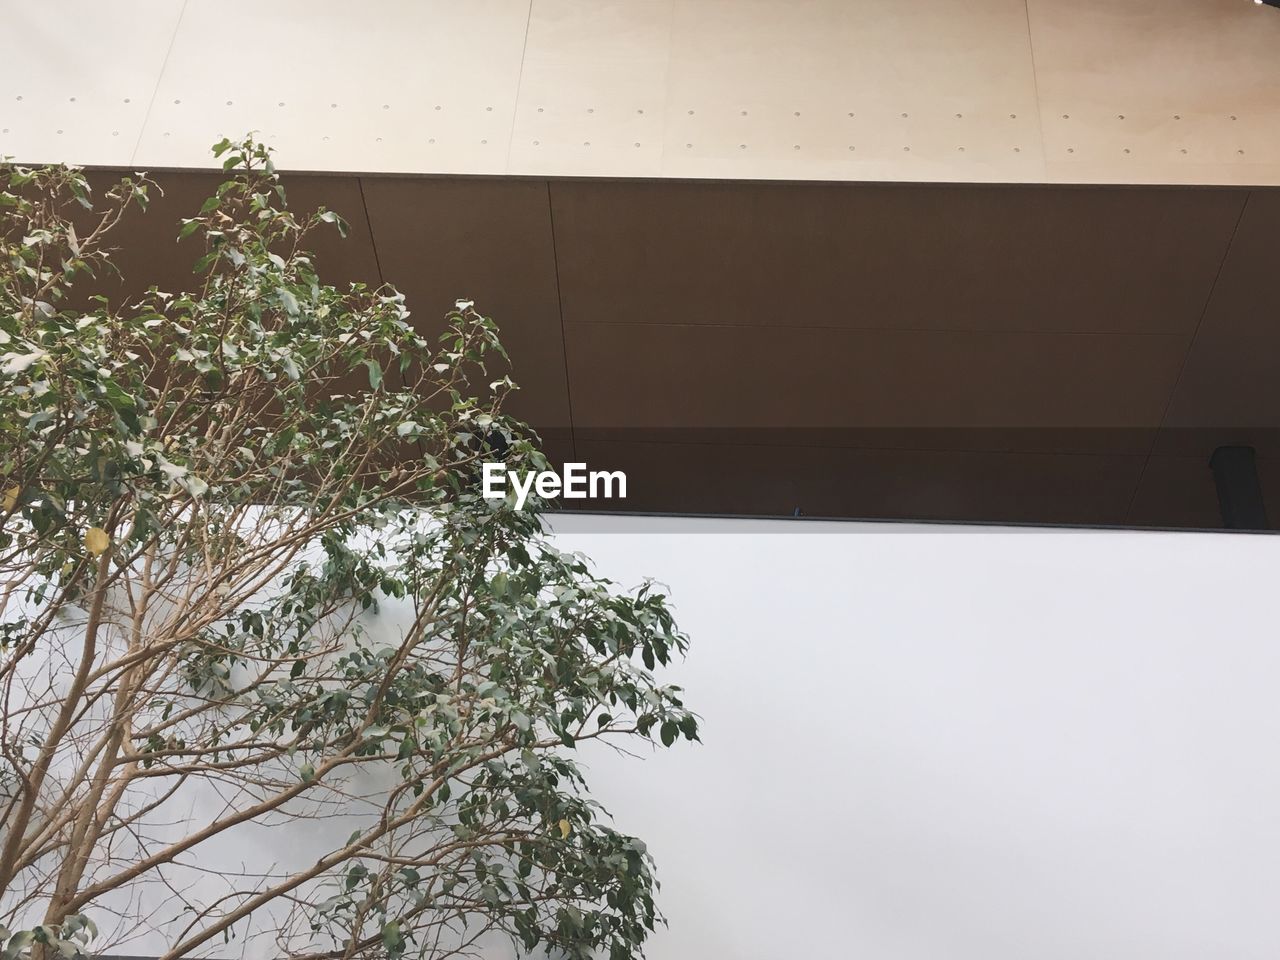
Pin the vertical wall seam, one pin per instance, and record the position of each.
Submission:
(564, 340)
(382, 280)
(373, 241)
(1186, 357)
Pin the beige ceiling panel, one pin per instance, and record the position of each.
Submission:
(593, 89)
(1177, 91)
(776, 144)
(1024, 91)
(76, 78)
(1163, 173)
(783, 89)
(423, 86)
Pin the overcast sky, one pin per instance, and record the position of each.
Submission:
(936, 743)
(961, 742)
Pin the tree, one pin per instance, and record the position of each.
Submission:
(206, 496)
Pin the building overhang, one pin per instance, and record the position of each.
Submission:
(1000, 353)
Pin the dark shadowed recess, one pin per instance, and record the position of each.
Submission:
(1025, 354)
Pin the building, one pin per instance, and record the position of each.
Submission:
(993, 262)
(1003, 261)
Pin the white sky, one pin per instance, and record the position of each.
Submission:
(939, 743)
(961, 742)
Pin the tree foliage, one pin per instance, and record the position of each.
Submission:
(206, 497)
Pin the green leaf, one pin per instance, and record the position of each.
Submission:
(668, 732)
(19, 942)
(391, 938)
(328, 216)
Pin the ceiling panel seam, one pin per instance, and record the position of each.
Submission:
(155, 90)
(1035, 87)
(515, 110)
(666, 89)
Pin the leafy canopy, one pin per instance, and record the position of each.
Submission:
(243, 553)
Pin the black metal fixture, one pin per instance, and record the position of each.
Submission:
(1269, 3)
(1235, 472)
